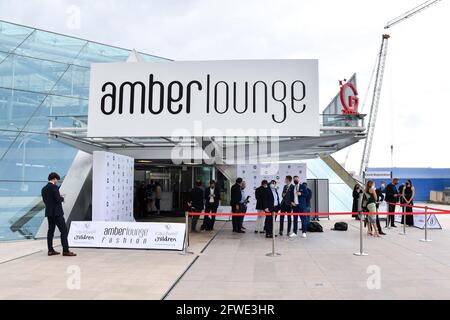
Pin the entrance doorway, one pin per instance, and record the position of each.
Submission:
(174, 181)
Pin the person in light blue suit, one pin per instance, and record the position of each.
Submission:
(303, 199)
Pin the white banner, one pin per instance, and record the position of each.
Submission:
(130, 235)
(253, 174)
(419, 219)
(204, 98)
(432, 221)
(112, 187)
(370, 175)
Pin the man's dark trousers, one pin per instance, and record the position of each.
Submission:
(295, 209)
(208, 222)
(285, 209)
(53, 222)
(195, 220)
(235, 220)
(391, 217)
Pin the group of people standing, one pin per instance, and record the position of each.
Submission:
(148, 197)
(207, 200)
(392, 195)
(295, 198)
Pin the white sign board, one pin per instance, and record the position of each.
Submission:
(419, 219)
(432, 221)
(131, 235)
(204, 98)
(371, 175)
(112, 187)
(253, 174)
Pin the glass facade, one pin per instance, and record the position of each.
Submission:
(42, 75)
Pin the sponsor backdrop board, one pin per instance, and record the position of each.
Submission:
(130, 235)
(112, 190)
(204, 98)
(253, 174)
(418, 219)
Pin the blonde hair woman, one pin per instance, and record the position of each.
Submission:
(371, 195)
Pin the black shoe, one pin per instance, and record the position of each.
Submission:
(394, 226)
(53, 253)
(240, 231)
(256, 231)
(281, 234)
(382, 233)
(243, 228)
(262, 232)
(270, 236)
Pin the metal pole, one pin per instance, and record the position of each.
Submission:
(388, 222)
(186, 235)
(273, 253)
(361, 251)
(426, 227)
(404, 222)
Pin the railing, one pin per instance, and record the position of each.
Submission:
(343, 120)
(333, 122)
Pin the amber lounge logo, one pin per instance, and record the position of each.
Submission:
(276, 98)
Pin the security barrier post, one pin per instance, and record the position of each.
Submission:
(186, 235)
(273, 253)
(361, 251)
(404, 222)
(388, 222)
(426, 226)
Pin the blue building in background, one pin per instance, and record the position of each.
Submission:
(423, 179)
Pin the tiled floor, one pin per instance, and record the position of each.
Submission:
(235, 266)
(321, 267)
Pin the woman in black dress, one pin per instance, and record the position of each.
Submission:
(408, 197)
(356, 192)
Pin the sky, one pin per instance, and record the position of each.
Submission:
(344, 35)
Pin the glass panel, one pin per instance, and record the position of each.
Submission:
(150, 58)
(67, 108)
(51, 46)
(25, 73)
(74, 83)
(16, 107)
(11, 35)
(96, 53)
(26, 77)
(21, 209)
(31, 157)
(204, 174)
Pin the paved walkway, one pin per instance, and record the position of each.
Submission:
(321, 267)
(234, 266)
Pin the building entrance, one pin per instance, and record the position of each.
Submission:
(164, 188)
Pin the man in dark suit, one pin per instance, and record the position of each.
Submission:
(212, 197)
(235, 202)
(380, 197)
(392, 196)
(55, 215)
(262, 205)
(286, 203)
(196, 203)
(273, 203)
